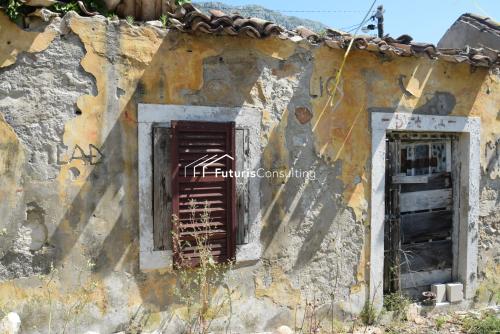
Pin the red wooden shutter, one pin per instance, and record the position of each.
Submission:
(193, 143)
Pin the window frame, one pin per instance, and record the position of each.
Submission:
(154, 115)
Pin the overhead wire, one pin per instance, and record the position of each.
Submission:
(288, 10)
(339, 72)
(348, 28)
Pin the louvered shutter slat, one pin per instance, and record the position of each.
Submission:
(192, 143)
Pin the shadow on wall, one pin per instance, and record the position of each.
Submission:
(307, 225)
(231, 78)
(106, 181)
(492, 155)
(309, 231)
(434, 88)
(14, 41)
(109, 195)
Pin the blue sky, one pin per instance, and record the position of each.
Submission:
(424, 20)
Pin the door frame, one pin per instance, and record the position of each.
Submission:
(466, 155)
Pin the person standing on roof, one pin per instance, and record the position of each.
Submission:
(379, 15)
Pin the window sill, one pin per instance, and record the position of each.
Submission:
(162, 260)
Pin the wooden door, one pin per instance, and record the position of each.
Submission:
(418, 245)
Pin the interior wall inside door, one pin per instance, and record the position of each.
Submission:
(418, 244)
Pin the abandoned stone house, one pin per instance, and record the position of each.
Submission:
(397, 154)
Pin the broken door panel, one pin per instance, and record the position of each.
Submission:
(424, 278)
(433, 182)
(425, 256)
(425, 200)
(424, 226)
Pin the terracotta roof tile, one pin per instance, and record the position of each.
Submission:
(187, 18)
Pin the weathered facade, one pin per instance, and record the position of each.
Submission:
(74, 96)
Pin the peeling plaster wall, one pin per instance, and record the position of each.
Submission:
(68, 167)
(41, 111)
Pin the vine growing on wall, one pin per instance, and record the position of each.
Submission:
(17, 9)
(12, 8)
(91, 5)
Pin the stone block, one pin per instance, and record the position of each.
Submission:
(283, 330)
(454, 292)
(10, 324)
(440, 291)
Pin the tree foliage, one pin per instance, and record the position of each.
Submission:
(16, 9)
